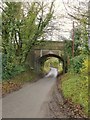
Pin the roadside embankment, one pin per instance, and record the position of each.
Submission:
(17, 82)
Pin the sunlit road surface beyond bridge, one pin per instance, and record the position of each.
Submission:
(29, 102)
(52, 73)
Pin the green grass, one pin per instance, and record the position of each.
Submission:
(75, 87)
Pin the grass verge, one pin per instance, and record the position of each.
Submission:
(75, 87)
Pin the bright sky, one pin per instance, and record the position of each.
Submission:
(61, 9)
(64, 24)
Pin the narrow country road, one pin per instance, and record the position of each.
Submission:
(28, 102)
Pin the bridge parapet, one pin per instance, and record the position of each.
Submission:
(50, 45)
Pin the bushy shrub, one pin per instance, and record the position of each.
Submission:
(76, 64)
(85, 68)
(9, 68)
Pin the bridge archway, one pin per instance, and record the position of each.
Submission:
(44, 58)
(39, 54)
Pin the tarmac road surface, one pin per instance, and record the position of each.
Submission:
(30, 101)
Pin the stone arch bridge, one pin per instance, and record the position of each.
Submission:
(40, 53)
